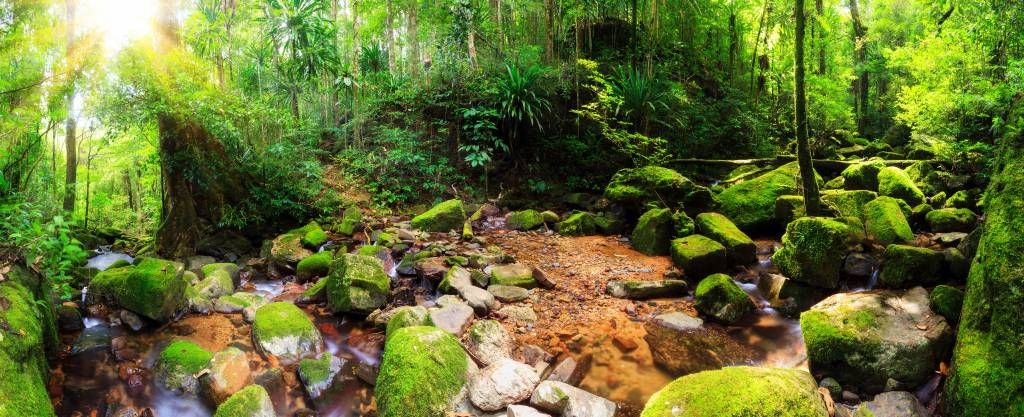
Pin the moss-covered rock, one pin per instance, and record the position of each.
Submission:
(515, 275)
(231, 268)
(316, 265)
(907, 266)
(251, 401)
(422, 373)
(894, 182)
(862, 176)
(698, 256)
(751, 204)
(25, 329)
(865, 339)
(847, 203)
(789, 208)
(445, 216)
(283, 330)
(719, 297)
(178, 364)
(356, 284)
(653, 232)
(920, 212)
(314, 238)
(951, 220)
(682, 224)
(153, 288)
(579, 223)
(837, 183)
(740, 391)
(407, 316)
(636, 187)
(288, 248)
(524, 220)
(318, 374)
(550, 217)
(885, 222)
(812, 251)
(947, 301)
(739, 248)
(350, 221)
(217, 283)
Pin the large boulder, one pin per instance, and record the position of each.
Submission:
(885, 221)
(524, 220)
(317, 265)
(812, 251)
(908, 266)
(356, 284)
(178, 364)
(423, 373)
(579, 223)
(862, 176)
(698, 256)
(27, 333)
(289, 247)
(718, 296)
(894, 182)
(739, 248)
(740, 391)
(445, 216)
(681, 345)
(283, 330)
(153, 288)
(636, 187)
(251, 401)
(751, 204)
(502, 383)
(865, 339)
(653, 232)
(847, 203)
(951, 220)
(566, 400)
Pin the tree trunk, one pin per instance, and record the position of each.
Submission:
(389, 25)
(733, 45)
(811, 201)
(549, 30)
(414, 41)
(819, 8)
(471, 45)
(860, 61)
(496, 5)
(70, 140)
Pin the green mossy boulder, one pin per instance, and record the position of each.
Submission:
(894, 182)
(885, 222)
(153, 288)
(314, 238)
(739, 391)
(951, 220)
(513, 275)
(350, 221)
(217, 283)
(847, 203)
(422, 373)
(579, 223)
(407, 316)
(947, 301)
(356, 284)
(739, 248)
(751, 204)
(550, 217)
(653, 232)
(178, 364)
(862, 176)
(698, 256)
(789, 208)
(719, 297)
(524, 220)
(27, 329)
(316, 265)
(682, 224)
(812, 251)
(908, 266)
(445, 216)
(960, 199)
(283, 330)
(837, 183)
(635, 187)
(231, 268)
(938, 199)
(251, 401)
(288, 248)
(318, 374)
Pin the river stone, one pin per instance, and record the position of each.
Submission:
(404, 316)
(423, 372)
(568, 401)
(251, 401)
(283, 330)
(238, 301)
(893, 404)
(739, 248)
(456, 277)
(720, 297)
(287, 248)
(682, 345)
(502, 383)
(519, 314)
(741, 391)
(228, 373)
(178, 364)
(232, 269)
(432, 269)
(570, 371)
(859, 265)
(153, 288)
(478, 298)
(132, 320)
(812, 251)
(885, 221)
(524, 411)
(488, 342)
(443, 217)
(517, 275)
(318, 374)
(751, 203)
(653, 232)
(452, 318)
(698, 256)
(356, 284)
(642, 290)
(216, 284)
(864, 339)
(508, 293)
(907, 266)
(951, 220)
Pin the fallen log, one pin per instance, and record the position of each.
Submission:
(830, 165)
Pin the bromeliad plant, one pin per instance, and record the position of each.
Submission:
(520, 99)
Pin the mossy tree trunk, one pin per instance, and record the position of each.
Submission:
(811, 201)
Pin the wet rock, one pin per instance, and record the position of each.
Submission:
(569, 370)
(508, 294)
(69, 318)
(178, 365)
(682, 345)
(859, 265)
(517, 275)
(251, 401)
(653, 232)
(443, 217)
(153, 288)
(318, 375)
(414, 384)
(452, 318)
(543, 278)
(885, 221)
(718, 296)
(751, 203)
(739, 248)
(864, 339)
(739, 391)
(228, 373)
(132, 320)
(698, 256)
(524, 411)
(432, 269)
(93, 339)
(488, 342)
(893, 404)
(356, 284)
(643, 290)
(907, 266)
(563, 399)
(951, 220)
(283, 330)
(502, 383)
(812, 251)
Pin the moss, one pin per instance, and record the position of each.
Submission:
(829, 340)
(284, 330)
(847, 203)
(740, 391)
(718, 296)
(920, 212)
(959, 199)
(120, 263)
(894, 182)
(653, 232)
(812, 251)
(316, 371)
(407, 316)
(446, 286)
(153, 288)
(636, 187)
(422, 371)
(315, 292)
(578, 223)
(951, 220)
(682, 224)
(370, 250)
(23, 366)
(356, 283)
(836, 183)
(515, 275)
(947, 301)
(288, 248)
(549, 217)
(609, 224)
(313, 266)
(739, 248)
(698, 256)
(885, 222)
(524, 220)
(862, 176)
(938, 200)
(907, 266)
(216, 284)
(789, 208)
(445, 216)
(751, 204)
(230, 268)
(350, 221)
(314, 238)
(178, 364)
(251, 401)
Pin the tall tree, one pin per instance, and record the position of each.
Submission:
(819, 9)
(860, 89)
(389, 26)
(70, 124)
(414, 40)
(811, 200)
(549, 30)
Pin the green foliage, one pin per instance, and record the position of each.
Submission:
(478, 124)
(46, 242)
(373, 59)
(519, 98)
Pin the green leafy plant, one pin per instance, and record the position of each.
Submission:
(641, 98)
(519, 99)
(47, 244)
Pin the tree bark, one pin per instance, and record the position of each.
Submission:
(389, 25)
(414, 41)
(549, 30)
(861, 86)
(811, 200)
(819, 8)
(70, 124)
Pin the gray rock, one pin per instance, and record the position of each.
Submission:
(489, 342)
(569, 370)
(228, 373)
(508, 293)
(520, 314)
(569, 401)
(524, 411)
(317, 375)
(860, 265)
(949, 238)
(478, 298)
(132, 320)
(681, 345)
(196, 262)
(642, 290)
(893, 404)
(452, 318)
(502, 383)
